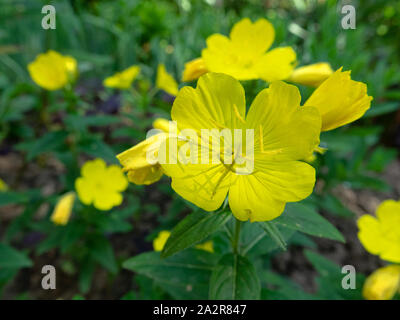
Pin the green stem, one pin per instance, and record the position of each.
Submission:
(236, 236)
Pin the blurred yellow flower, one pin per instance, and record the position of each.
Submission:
(381, 235)
(194, 69)
(165, 81)
(244, 54)
(162, 237)
(101, 185)
(3, 185)
(284, 132)
(311, 75)
(382, 284)
(134, 160)
(53, 71)
(123, 79)
(63, 209)
(340, 100)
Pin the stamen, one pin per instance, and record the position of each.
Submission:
(215, 123)
(238, 114)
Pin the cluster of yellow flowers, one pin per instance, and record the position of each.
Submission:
(380, 235)
(287, 133)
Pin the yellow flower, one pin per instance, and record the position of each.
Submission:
(244, 54)
(382, 284)
(284, 133)
(340, 100)
(101, 185)
(165, 81)
(311, 75)
(3, 185)
(123, 79)
(162, 237)
(194, 69)
(63, 209)
(381, 235)
(134, 160)
(53, 71)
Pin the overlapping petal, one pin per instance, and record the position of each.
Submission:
(340, 100)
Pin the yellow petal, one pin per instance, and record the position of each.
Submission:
(311, 75)
(147, 175)
(204, 185)
(287, 181)
(50, 70)
(161, 240)
(252, 39)
(211, 104)
(137, 156)
(115, 178)
(107, 200)
(250, 199)
(370, 234)
(165, 81)
(84, 189)
(194, 69)
(340, 100)
(63, 209)
(206, 246)
(277, 64)
(161, 124)
(93, 168)
(382, 284)
(123, 79)
(289, 132)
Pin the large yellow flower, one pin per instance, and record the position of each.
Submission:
(165, 81)
(63, 209)
(311, 75)
(381, 235)
(382, 284)
(162, 237)
(53, 71)
(101, 185)
(284, 134)
(134, 160)
(340, 100)
(123, 79)
(245, 56)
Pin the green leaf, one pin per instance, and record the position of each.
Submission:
(102, 252)
(185, 275)
(234, 278)
(330, 279)
(381, 109)
(13, 259)
(50, 141)
(305, 219)
(194, 228)
(272, 230)
(95, 147)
